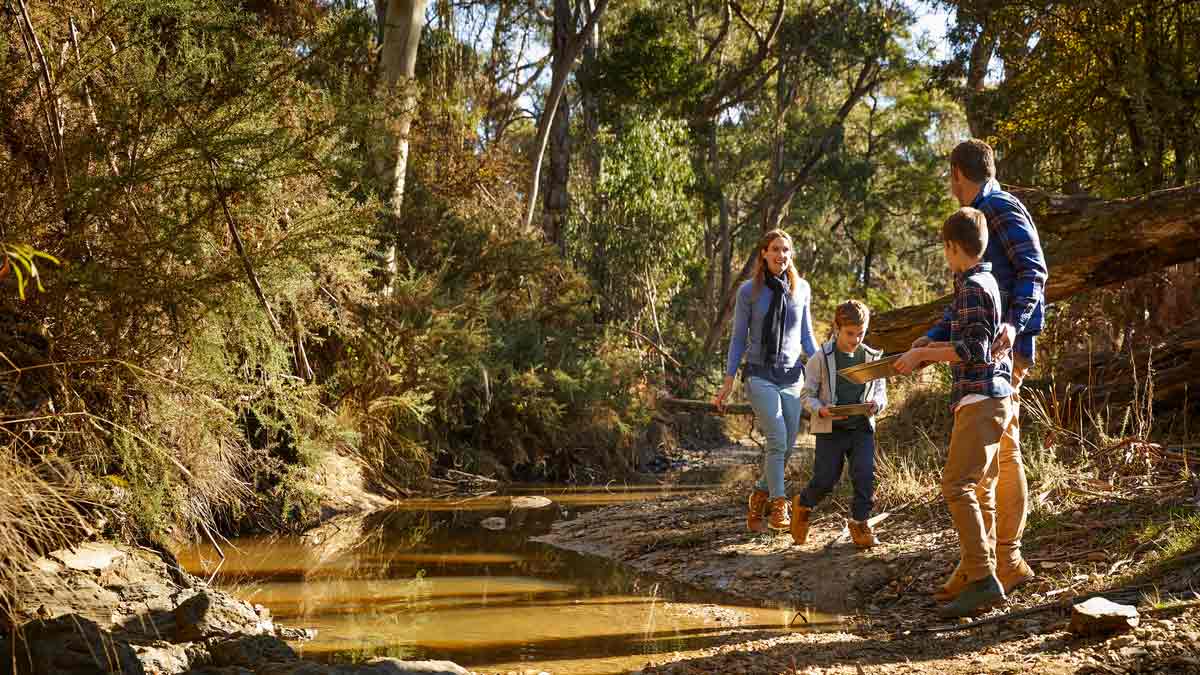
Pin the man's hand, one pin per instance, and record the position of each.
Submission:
(910, 361)
(824, 412)
(1004, 341)
(922, 341)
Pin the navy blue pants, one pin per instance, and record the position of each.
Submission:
(833, 449)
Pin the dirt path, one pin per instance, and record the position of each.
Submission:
(882, 595)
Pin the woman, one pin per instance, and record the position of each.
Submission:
(772, 328)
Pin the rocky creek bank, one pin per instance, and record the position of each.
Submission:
(111, 608)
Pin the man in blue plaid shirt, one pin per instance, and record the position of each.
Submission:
(982, 400)
(1015, 254)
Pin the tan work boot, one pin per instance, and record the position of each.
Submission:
(756, 511)
(1013, 577)
(952, 586)
(778, 520)
(861, 534)
(799, 521)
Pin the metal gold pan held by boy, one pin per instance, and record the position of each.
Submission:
(865, 372)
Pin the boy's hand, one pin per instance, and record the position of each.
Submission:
(908, 362)
(1004, 341)
(824, 412)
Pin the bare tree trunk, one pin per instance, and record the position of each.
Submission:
(591, 107)
(981, 55)
(558, 84)
(557, 199)
(403, 22)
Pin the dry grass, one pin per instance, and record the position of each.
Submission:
(37, 515)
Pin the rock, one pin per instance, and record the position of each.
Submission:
(1122, 641)
(72, 645)
(89, 556)
(295, 634)
(532, 502)
(251, 651)
(205, 615)
(494, 523)
(1099, 616)
(169, 659)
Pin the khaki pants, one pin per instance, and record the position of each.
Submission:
(1012, 489)
(969, 481)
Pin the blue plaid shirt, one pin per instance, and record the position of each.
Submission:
(1015, 253)
(974, 325)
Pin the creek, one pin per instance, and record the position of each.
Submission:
(428, 579)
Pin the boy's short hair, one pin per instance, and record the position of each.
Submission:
(851, 313)
(968, 228)
(975, 159)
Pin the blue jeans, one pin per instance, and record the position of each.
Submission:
(777, 411)
(832, 451)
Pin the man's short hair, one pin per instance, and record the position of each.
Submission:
(968, 228)
(974, 159)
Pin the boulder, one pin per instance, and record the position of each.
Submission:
(1099, 616)
(206, 614)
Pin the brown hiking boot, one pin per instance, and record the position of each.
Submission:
(1013, 577)
(799, 521)
(757, 510)
(861, 534)
(952, 586)
(778, 520)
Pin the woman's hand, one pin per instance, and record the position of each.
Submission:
(824, 412)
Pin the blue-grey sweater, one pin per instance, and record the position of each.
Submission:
(748, 315)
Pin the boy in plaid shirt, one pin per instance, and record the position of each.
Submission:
(981, 397)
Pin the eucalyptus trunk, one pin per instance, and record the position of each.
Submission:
(403, 22)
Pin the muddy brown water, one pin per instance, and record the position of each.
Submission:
(428, 580)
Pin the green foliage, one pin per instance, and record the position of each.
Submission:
(204, 125)
(498, 369)
(648, 64)
(642, 229)
(1095, 96)
(21, 259)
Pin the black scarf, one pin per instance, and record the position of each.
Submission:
(776, 318)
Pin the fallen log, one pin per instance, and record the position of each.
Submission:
(1118, 377)
(1088, 242)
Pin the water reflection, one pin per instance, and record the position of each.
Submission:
(428, 580)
